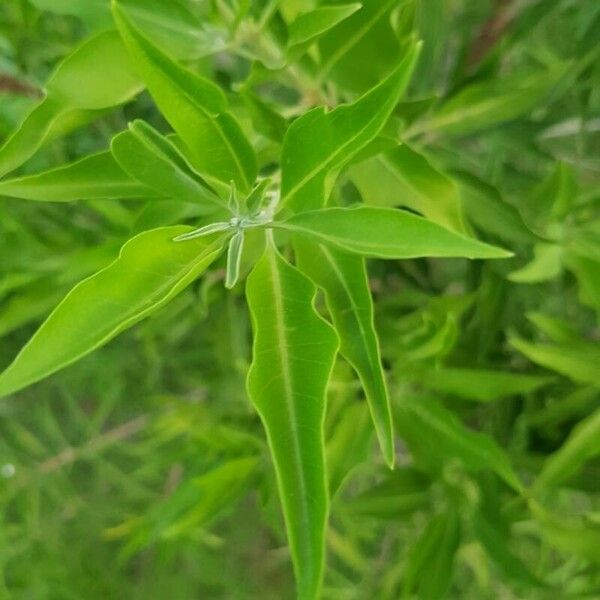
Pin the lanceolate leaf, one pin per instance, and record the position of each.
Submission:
(402, 492)
(429, 569)
(294, 349)
(349, 445)
(582, 445)
(577, 361)
(343, 277)
(318, 144)
(487, 104)
(433, 433)
(575, 537)
(95, 177)
(97, 75)
(309, 26)
(151, 159)
(196, 502)
(403, 177)
(195, 107)
(363, 48)
(495, 537)
(483, 385)
(386, 233)
(545, 265)
(489, 212)
(149, 272)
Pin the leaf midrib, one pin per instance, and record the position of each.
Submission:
(286, 378)
(131, 319)
(373, 359)
(325, 166)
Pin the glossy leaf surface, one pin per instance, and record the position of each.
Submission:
(319, 143)
(97, 176)
(403, 177)
(149, 272)
(386, 233)
(195, 107)
(151, 159)
(95, 76)
(293, 356)
(344, 279)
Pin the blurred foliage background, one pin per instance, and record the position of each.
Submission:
(142, 472)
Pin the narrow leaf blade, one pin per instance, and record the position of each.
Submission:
(309, 26)
(150, 271)
(343, 277)
(294, 351)
(386, 233)
(149, 157)
(195, 107)
(582, 445)
(318, 144)
(94, 177)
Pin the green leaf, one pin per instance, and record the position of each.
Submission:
(95, 76)
(385, 233)
(490, 103)
(401, 493)
(423, 419)
(576, 361)
(489, 212)
(266, 120)
(195, 503)
(153, 160)
(173, 26)
(294, 350)
(308, 26)
(150, 271)
(234, 259)
(402, 176)
(482, 385)
(319, 143)
(582, 445)
(195, 107)
(95, 13)
(343, 277)
(551, 200)
(557, 330)
(545, 265)
(97, 176)
(362, 49)
(575, 537)
(495, 537)
(349, 444)
(587, 272)
(429, 569)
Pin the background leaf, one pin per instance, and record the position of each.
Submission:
(94, 177)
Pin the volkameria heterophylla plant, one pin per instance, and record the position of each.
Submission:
(276, 216)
